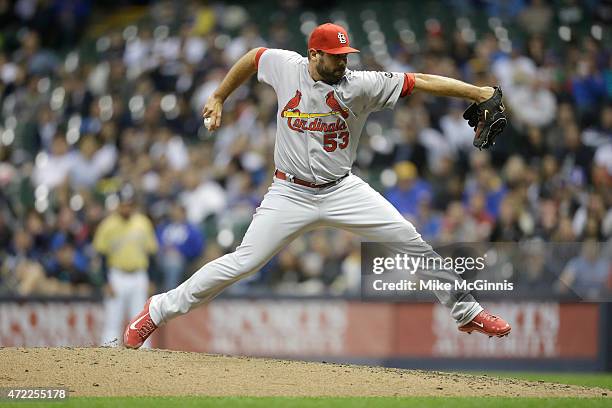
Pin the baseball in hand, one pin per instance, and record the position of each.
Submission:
(207, 123)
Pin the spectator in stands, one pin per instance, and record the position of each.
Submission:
(38, 229)
(106, 156)
(85, 171)
(21, 271)
(534, 148)
(532, 103)
(507, 228)
(575, 157)
(428, 221)
(71, 266)
(68, 229)
(409, 190)
(588, 87)
(315, 263)
(201, 197)
(550, 181)
(458, 225)
(592, 211)
(547, 219)
(536, 18)
(408, 147)
(456, 130)
(536, 268)
(514, 71)
(484, 221)
(565, 117)
(180, 243)
(171, 147)
(38, 61)
(438, 148)
(78, 99)
(488, 182)
(47, 125)
(241, 199)
(447, 185)
(564, 231)
(586, 276)
(600, 134)
(22, 249)
(52, 170)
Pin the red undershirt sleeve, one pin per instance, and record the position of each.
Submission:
(258, 56)
(408, 86)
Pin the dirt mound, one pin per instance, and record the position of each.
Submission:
(122, 372)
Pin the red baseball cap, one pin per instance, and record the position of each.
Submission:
(330, 38)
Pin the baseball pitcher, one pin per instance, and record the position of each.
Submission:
(322, 108)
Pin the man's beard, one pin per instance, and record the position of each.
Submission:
(329, 76)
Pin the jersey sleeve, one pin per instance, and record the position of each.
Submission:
(381, 90)
(272, 65)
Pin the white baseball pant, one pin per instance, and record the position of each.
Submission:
(130, 292)
(289, 210)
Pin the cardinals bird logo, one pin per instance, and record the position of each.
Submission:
(292, 104)
(331, 101)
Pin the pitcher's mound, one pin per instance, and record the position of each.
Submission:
(122, 372)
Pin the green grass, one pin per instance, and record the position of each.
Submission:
(291, 402)
(603, 380)
(591, 380)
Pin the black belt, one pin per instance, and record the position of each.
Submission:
(284, 176)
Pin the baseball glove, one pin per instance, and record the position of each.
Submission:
(487, 118)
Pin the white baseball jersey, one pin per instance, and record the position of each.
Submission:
(317, 135)
(319, 125)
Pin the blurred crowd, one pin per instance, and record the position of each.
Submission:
(81, 118)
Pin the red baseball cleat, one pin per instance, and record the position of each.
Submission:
(139, 329)
(488, 324)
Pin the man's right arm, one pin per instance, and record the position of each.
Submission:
(240, 72)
